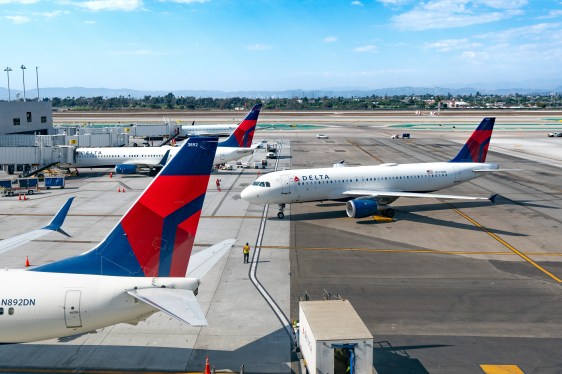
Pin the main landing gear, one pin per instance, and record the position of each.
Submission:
(388, 212)
(281, 215)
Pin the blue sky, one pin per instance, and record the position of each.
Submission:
(277, 45)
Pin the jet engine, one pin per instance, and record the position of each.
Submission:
(125, 169)
(361, 208)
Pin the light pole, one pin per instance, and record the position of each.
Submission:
(37, 75)
(23, 72)
(8, 70)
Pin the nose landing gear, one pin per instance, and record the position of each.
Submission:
(281, 215)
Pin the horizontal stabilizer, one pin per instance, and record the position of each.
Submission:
(375, 194)
(201, 262)
(55, 225)
(180, 304)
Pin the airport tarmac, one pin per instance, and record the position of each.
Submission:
(445, 288)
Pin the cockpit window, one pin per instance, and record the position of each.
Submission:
(255, 184)
(262, 184)
(267, 184)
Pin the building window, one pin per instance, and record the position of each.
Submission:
(43, 119)
(16, 121)
(28, 116)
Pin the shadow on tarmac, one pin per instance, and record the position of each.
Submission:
(269, 354)
(390, 360)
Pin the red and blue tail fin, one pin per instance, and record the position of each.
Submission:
(476, 148)
(155, 237)
(244, 134)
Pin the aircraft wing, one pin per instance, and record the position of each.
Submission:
(363, 193)
(201, 262)
(178, 303)
(55, 225)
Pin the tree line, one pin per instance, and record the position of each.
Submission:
(413, 102)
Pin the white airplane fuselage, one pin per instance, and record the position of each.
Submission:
(208, 130)
(306, 185)
(143, 156)
(36, 306)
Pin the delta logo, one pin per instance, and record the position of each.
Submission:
(318, 177)
(296, 179)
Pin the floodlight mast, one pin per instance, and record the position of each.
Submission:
(8, 70)
(23, 72)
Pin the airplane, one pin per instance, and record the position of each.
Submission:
(138, 269)
(55, 225)
(207, 130)
(128, 160)
(368, 190)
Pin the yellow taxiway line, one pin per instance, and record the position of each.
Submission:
(507, 245)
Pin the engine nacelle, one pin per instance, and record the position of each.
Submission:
(125, 169)
(361, 208)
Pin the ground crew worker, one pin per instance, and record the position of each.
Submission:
(246, 251)
(218, 184)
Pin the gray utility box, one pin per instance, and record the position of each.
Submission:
(333, 339)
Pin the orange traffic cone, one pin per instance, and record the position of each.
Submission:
(110, 174)
(207, 366)
(19, 197)
(119, 189)
(26, 261)
(24, 197)
(123, 190)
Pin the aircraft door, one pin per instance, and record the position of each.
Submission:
(457, 175)
(285, 184)
(72, 309)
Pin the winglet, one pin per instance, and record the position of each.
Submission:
(493, 198)
(58, 219)
(164, 158)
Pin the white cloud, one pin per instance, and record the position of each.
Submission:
(258, 47)
(109, 5)
(184, 1)
(357, 3)
(441, 14)
(18, 1)
(52, 14)
(18, 19)
(139, 52)
(540, 31)
(365, 48)
(451, 44)
(553, 14)
(330, 39)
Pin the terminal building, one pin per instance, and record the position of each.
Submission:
(30, 142)
(26, 117)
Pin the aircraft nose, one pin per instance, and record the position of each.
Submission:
(245, 194)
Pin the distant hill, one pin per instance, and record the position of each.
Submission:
(63, 92)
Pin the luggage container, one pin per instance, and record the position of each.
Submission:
(333, 339)
(54, 182)
(28, 185)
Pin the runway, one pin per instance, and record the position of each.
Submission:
(445, 288)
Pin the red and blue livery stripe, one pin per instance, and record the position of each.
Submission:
(244, 134)
(155, 237)
(476, 148)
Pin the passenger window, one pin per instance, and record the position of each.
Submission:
(1, 311)
(10, 311)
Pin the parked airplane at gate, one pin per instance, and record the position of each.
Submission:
(207, 130)
(138, 269)
(370, 189)
(127, 160)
